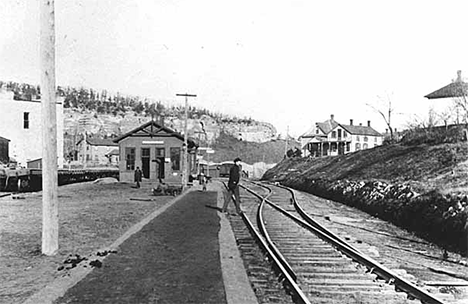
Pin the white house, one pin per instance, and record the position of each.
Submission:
(21, 123)
(97, 152)
(333, 138)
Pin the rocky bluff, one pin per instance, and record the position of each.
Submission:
(204, 128)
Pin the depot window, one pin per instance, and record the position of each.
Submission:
(26, 120)
(130, 158)
(175, 159)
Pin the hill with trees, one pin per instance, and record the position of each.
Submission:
(103, 114)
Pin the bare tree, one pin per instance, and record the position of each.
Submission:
(385, 111)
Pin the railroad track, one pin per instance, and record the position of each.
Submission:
(311, 263)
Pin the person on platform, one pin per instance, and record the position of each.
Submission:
(203, 180)
(233, 186)
(138, 176)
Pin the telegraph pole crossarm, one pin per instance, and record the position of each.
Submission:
(185, 149)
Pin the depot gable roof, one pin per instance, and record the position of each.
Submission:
(153, 129)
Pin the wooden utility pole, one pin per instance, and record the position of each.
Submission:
(286, 143)
(185, 151)
(49, 129)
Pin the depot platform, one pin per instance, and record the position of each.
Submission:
(183, 253)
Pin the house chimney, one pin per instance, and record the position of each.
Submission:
(368, 123)
(350, 122)
(459, 78)
(332, 117)
(360, 123)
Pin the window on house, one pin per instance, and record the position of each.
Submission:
(96, 158)
(375, 138)
(130, 158)
(357, 138)
(348, 147)
(358, 146)
(345, 134)
(316, 131)
(334, 134)
(175, 159)
(26, 120)
(364, 146)
(365, 138)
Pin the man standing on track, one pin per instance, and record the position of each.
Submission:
(233, 186)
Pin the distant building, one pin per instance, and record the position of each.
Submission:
(457, 88)
(157, 150)
(21, 122)
(114, 157)
(34, 164)
(333, 138)
(4, 155)
(94, 152)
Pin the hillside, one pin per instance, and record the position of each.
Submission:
(100, 113)
(227, 147)
(421, 187)
(441, 167)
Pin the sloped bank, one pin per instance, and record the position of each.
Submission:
(436, 217)
(440, 218)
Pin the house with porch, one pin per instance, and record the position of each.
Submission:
(333, 138)
(157, 150)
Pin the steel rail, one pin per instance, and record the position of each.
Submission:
(264, 232)
(356, 255)
(298, 294)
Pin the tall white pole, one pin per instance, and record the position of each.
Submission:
(49, 129)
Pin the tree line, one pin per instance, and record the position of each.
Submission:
(105, 102)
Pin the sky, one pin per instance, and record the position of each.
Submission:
(290, 63)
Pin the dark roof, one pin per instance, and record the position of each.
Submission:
(4, 139)
(113, 152)
(327, 125)
(153, 129)
(360, 130)
(99, 141)
(457, 88)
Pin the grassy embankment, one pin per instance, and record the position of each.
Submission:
(420, 187)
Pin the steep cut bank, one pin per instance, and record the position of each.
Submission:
(422, 188)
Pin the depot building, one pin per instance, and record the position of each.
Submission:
(157, 150)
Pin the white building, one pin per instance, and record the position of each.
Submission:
(97, 152)
(333, 138)
(21, 123)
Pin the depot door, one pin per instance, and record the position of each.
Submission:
(145, 162)
(160, 159)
